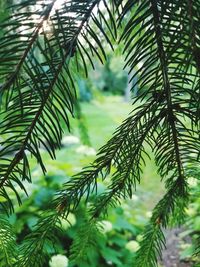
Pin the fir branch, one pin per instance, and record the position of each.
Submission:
(166, 84)
(85, 241)
(33, 252)
(29, 137)
(169, 132)
(46, 13)
(172, 205)
(152, 244)
(197, 247)
(128, 172)
(114, 153)
(156, 35)
(8, 246)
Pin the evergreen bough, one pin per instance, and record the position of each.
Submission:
(38, 68)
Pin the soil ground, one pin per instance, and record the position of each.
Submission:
(170, 256)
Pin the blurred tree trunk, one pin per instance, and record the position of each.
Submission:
(131, 89)
(127, 95)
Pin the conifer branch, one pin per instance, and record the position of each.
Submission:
(30, 140)
(8, 246)
(19, 155)
(164, 39)
(166, 82)
(13, 76)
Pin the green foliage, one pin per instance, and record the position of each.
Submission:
(34, 111)
(151, 246)
(86, 241)
(33, 251)
(190, 248)
(108, 239)
(109, 78)
(8, 247)
(38, 67)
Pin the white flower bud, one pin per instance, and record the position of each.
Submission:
(59, 261)
(70, 140)
(132, 246)
(105, 226)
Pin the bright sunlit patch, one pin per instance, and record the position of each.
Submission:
(47, 25)
(58, 4)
